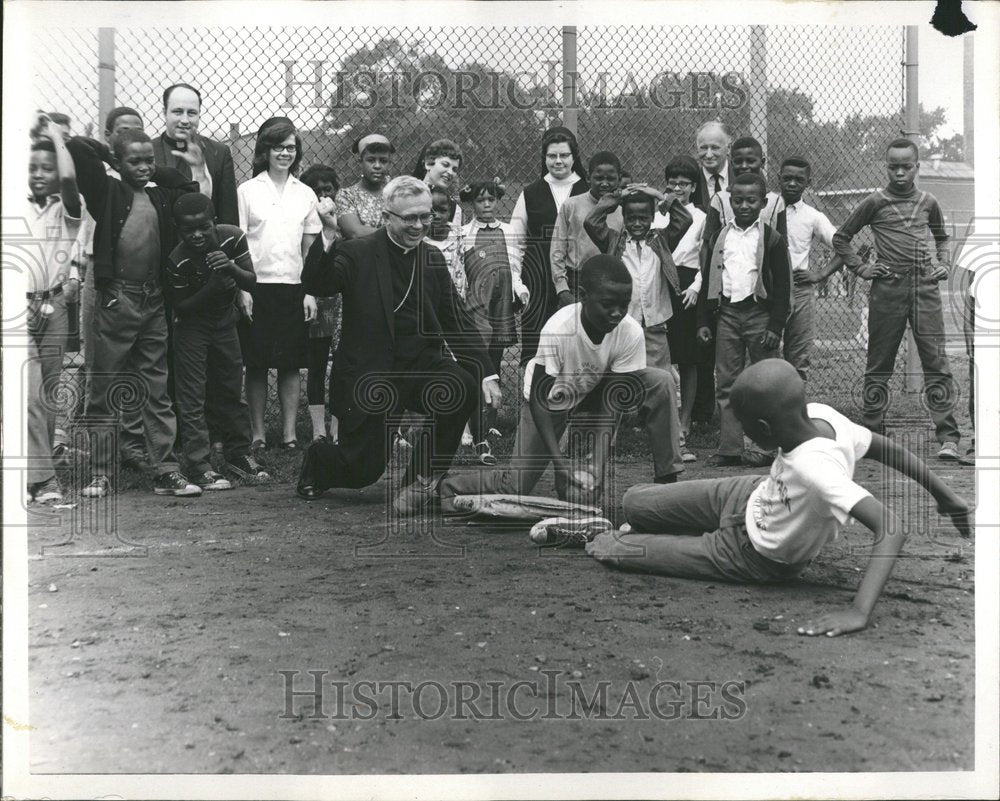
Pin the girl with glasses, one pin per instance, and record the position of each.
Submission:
(279, 214)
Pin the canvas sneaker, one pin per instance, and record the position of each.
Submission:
(415, 497)
(949, 452)
(99, 487)
(175, 484)
(47, 491)
(248, 469)
(210, 481)
(569, 533)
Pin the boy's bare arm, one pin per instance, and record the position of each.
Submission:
(902, 460)
(889, 539)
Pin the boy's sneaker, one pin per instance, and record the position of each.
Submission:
(466, 438)
(247, 468)
(484, 454)
(949, 452)
(210, 481)
(175, 484)
(688, 455)
(47, 491)
(99, 487)
(756, 458)
(567, 533)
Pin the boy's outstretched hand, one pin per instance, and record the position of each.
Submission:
(960, 514)
(843, 621)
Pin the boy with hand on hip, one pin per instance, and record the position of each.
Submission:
(767, 530)
(747, 278)
(904, 289)
(801, 225)
(203, 274)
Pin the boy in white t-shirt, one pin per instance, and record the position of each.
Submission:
(590, 366)
(754, 529)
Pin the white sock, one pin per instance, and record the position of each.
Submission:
(317, 415)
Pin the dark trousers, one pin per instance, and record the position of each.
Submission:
(737, 343)
(704, 398)
(214, 414)
(484, 417)
(435, 386)
(129, 372)
(202, 349)
(915, 298)
(318, 358)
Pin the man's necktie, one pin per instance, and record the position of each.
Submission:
(718, 183)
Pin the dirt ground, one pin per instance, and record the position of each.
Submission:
(166, 658)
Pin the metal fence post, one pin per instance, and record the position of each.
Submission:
(105, 75)
(968, 99)
(913, 374)
(569, 77)
(758, 84)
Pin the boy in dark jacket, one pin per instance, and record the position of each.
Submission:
(747, 277)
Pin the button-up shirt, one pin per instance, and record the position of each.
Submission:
(650, 303)
(804, 224)
(740, 268)
(723, 174)
(50, 237)
(275, 224)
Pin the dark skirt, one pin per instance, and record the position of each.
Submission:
(682, 329)
(277, 337)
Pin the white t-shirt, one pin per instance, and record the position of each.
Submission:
(275, 224)
(809, 493)
(576, 363)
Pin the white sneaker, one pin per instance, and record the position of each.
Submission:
(99, 487)
(567, 533)
(949, 452)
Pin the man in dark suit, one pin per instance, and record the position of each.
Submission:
(712, 141)
(179, 144)
(400, 307)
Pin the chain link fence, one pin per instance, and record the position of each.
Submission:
(832, 95)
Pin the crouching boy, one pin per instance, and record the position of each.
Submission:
(590, 366)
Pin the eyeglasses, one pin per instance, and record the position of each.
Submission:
(413, 219)
(679, 185)
(283, 148)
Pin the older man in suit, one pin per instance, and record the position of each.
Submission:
(712, 141)
(400, 308)
(180, 146)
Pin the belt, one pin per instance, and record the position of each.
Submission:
(45, 294)
(747, 301)
(139, 286)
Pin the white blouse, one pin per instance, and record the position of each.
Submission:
(560, 188)
(275, 224)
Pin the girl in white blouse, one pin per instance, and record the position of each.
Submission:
(279, 214)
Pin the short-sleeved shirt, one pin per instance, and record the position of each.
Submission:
(577, 363)
(275, 224)
(50, 235)
(809, 492)
(356, 199)
(187, 272)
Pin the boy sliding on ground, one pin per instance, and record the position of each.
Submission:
(753, 529)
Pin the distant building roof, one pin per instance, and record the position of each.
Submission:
(859, 182)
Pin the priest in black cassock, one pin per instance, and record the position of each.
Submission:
(399, 309)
